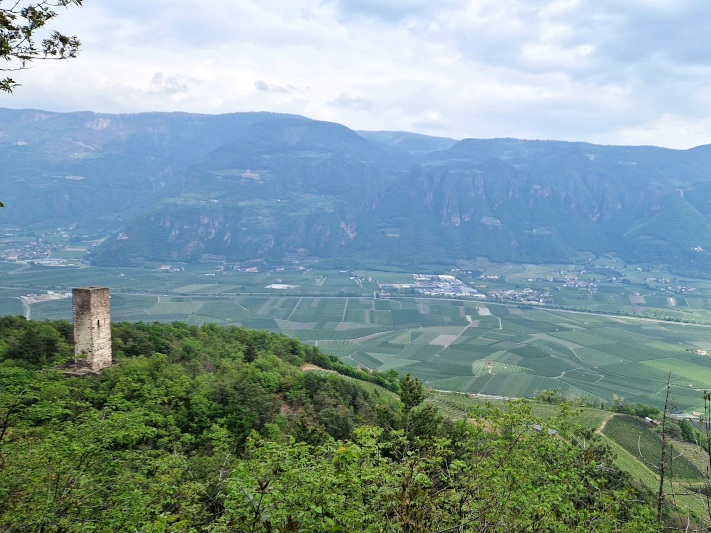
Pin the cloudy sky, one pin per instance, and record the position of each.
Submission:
(603, 71)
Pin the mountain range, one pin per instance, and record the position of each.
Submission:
(284, 188)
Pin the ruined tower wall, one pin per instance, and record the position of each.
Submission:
(92, 326)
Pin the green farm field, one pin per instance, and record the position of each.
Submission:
(465, 345)
(637, 438)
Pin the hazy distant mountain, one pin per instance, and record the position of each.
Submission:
(412, 143)
(250, 186)
(98, 170)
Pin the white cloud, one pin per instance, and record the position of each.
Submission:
(169, 85)
(262, 85)
(632, 72)
(352, 102)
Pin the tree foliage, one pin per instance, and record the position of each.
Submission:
(25, 36)
(505, 478)
(186, 435)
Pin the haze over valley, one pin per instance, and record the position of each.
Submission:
(284, 189)
(308, 228)
(355, 266)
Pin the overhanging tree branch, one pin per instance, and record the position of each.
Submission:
(24, 36)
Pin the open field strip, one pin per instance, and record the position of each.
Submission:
(598, 364)
(577, 352)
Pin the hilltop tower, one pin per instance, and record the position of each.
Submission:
(92, 326)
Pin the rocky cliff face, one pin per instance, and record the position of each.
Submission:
(535, 201)
(320, 189)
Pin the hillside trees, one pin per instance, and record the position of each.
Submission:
(504, 478)
(22, 24)
(186, 435)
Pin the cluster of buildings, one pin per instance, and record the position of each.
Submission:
(578, 284)
(665, 285)
(522, 296)
(42, 248)
(35, 250)
(443, 286)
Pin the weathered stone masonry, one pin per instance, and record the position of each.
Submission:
(92, 326)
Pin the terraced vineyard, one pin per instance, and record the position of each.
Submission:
(637, 438)
(633, 441)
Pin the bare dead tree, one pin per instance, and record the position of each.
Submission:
(706, 428)
(664, 454)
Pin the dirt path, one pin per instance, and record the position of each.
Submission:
(26, 306)
(308, 367)
(373, 336)
(604, 423)
(294, 309)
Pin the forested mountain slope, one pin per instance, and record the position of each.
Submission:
(100, 170)
(219, 429)
(259, 186)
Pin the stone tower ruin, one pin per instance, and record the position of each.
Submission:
(92, 326)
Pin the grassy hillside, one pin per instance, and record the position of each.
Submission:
(634, 443)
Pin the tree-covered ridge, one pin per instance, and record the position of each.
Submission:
(260, 186)
(219, 429)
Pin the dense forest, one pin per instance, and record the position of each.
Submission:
(204, 428)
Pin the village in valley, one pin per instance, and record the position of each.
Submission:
(441, 286)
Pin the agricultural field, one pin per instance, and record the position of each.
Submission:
(637, 448)
(639, 440)
(499, 349)
(458, 406)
